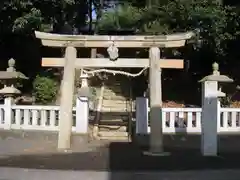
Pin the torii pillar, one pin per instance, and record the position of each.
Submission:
(67, 89)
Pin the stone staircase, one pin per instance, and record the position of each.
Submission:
(115, 111)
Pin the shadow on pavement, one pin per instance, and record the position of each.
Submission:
(185, 155)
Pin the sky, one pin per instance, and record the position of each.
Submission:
(94, 13)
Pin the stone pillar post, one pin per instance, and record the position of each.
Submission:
(82, 106)
(142, 116)
(209, 118)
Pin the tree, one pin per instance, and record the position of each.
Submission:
(26, 15)
(16, 15)
(19, 18)
(218, 25)
(124, 17)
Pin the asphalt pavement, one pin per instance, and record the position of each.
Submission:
(29, 157)
(35, 174)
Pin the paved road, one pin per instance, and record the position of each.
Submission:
(21, 159)
(34, 174)
(120, 161)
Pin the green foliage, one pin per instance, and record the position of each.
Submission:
(218, 25)
(124, 17)
(27, 15)
(214, 21)
(93, 93)
(45, 89)
(29, 21)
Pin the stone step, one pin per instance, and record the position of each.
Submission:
(111, 134)
(120, 102)
(113, 115)
(114, 86)
(114, 97)
(114, 83)
(116, 90)
(113, 89)
(115, 106)
(115, 139)
(114, 109)
(112, 93)
(112, 128)
(114, 122)
(113, 118)
(116, 101)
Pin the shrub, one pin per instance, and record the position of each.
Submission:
(45, 89)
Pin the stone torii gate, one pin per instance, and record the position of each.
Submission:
(112, 43)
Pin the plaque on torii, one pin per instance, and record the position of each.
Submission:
(112, 43)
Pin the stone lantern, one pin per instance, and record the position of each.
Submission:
(9, 91)
(84, 90)
(9, 79)
(211, 110)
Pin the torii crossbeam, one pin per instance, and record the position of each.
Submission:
(107, 63)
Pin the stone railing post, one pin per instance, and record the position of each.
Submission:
(82, 107)
(8, 101)
(142, 115)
